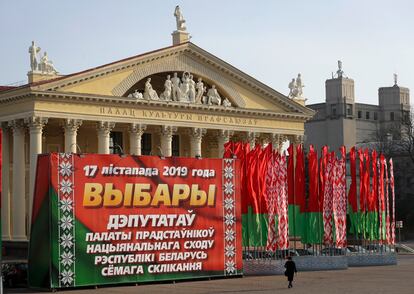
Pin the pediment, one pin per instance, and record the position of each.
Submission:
(119, 79)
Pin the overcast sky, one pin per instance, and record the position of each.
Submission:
(269, 40)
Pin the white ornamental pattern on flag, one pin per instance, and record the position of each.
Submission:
(282, 203)
(66, 220)
(393, 202)
(339, 203)
(329, 176)
(387, 202)
(380, 190)
(229, 217)
(271, 199)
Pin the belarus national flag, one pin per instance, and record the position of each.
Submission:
(296, 191)
(314, 222)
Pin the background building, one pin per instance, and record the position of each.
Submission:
(387, 127)
(342, 121)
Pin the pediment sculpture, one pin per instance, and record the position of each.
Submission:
(183, 89)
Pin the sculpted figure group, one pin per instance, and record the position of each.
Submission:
(45, 65)
(183, 89)
(296, 87)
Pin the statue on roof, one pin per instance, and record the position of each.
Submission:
(299, 86)
(179, 19)
(33, 51)
(296, 87)
(46, 65)
(340, 72)
(292, 88)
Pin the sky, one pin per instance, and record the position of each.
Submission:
(270, 40)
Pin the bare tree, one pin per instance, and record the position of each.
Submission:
(397, 139)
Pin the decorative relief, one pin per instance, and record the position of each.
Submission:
(183, 89)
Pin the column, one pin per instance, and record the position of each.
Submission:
(298, 139)
(135, 134)
(35, 125)
(251, 138)
(222, 138)
(71, 126)
(166, 133)
(275, 138)
(18, 196)
(104, 129)
(5, 186)
(196, 135)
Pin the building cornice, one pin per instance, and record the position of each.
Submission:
(151, 104)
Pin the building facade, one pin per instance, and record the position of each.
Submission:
(176, 101)
(342, 121)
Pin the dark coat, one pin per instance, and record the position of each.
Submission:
(290, 269)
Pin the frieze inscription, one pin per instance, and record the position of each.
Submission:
(180, 116)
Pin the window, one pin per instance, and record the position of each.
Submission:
(146, 144)
(367, 115)
(406, 116)
(359, 114)
(391, 115)
(349, 109)
(333, 110)
(175, 145)
(375, 115)
(115, 143)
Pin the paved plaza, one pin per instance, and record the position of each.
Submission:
(380, 279)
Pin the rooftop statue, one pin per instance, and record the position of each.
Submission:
(33, 51)
(46, 65)
(179, 19)
(296, 87)
(340, 72)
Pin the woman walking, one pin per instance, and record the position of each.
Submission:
(290, 270)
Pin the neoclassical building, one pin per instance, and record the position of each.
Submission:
(176, 101)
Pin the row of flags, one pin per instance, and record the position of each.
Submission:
(293, 194)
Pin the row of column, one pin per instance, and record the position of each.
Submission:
(19, 219)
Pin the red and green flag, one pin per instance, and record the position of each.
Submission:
(296, 191)
(381, 200)
(372, 195)
(352, 195)
(314, 221)
(340, 200)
